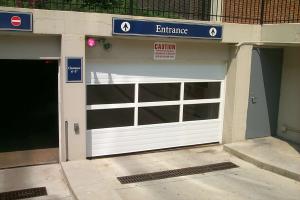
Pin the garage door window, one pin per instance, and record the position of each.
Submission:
(158, 114)
(108, 118)
(206, 90)
(109, 94)
(200, 111)
(120, 105)
(159, 92)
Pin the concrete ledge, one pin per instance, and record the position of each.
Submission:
(256, 157)
(67, 181)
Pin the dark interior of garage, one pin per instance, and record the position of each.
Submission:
(29, 105)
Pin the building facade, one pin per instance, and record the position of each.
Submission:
(116, 95)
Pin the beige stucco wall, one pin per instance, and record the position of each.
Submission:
(289, 108)
(98, 24)
(140, 49)
(237, 94)
(41, 46)
(73, 101)
(281, 33)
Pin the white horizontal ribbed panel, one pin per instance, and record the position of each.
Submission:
(109, 141)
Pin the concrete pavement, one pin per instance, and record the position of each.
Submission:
(49, 176)
(271, 154)
(96, 179)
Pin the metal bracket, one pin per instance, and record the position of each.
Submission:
(76, 128)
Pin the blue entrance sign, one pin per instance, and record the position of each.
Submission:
(74, 70)
(165, 29)
(15, 21)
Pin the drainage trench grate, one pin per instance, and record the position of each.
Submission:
(23, 194)
(176, 172)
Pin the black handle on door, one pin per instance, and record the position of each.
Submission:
(253, 99)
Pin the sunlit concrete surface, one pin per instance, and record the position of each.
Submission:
(271, 154)
(49, 176)
(97, 179)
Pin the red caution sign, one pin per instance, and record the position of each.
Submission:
(15, 21)
(164, 51)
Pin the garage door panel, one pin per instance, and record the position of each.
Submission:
(117, 149)
(105, 72)
(103, 79)
(104, 142)
(184, 128)
(139, 148)
(101, 139)
(200, 126)
(152, 137)
(175, 104)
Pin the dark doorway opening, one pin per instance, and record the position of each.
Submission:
(29, 105)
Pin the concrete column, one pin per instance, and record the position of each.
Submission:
(237, 94)
(72, 101)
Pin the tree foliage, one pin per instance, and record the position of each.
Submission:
(106, 4)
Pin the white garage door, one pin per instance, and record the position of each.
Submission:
(144, 106)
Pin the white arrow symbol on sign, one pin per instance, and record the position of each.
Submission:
(125, 26)
(213, 31)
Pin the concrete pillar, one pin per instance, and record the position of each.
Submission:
(72, 103)
(237, 94)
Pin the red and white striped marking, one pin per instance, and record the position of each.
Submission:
(16, 21)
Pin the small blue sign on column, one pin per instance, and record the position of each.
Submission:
(74, 70)
(15, 21)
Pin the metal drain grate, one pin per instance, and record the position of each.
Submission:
(22, 194)
(176, 172)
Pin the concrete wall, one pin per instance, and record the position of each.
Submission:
(281, 33)
(98, 24)
(73, 106)
(41, 46)
(289, 108)
(237, 94)
(139, 49)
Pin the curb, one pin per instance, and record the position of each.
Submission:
(67, 181)
(263, 165)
